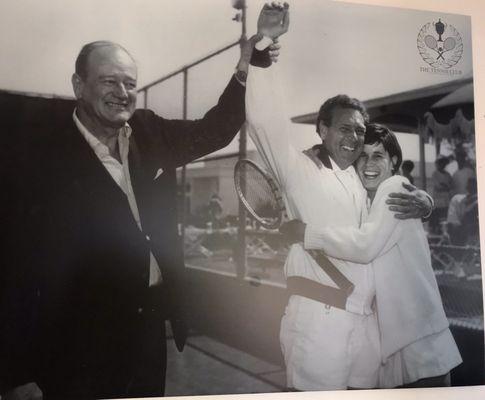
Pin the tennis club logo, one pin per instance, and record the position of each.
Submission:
(440, 44)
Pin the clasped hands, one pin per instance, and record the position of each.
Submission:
(273, 21)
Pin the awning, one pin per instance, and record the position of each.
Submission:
(451, 119)
(402, 111)
(442, 112)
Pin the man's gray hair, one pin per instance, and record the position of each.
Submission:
(82, 59)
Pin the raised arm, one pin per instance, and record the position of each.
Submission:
(364, 244)
(267, 117)
(189, 140)
(267, 121)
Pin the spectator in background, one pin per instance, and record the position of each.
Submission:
(193, 239)
(463, 216)
(441, 193)
(214, 210)
(452, 166)
(464, 173)
(407, 167)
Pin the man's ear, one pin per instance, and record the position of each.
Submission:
(322, 130)
(77, 85)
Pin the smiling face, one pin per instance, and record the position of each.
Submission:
(107, 95)
(344, 138)
(374, 166)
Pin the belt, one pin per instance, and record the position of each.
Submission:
(328, 295)
(336, 297)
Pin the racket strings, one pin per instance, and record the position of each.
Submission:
(449, 44)
(258, 193)
(431, 42)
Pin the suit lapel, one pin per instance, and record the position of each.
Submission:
(87, 174)
(142, 173)
(138, 180)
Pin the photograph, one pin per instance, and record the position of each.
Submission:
(240, 197)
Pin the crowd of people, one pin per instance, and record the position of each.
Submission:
(454, 190)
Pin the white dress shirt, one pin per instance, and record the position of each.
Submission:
(121, 175)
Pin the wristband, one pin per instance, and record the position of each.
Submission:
(260, 57)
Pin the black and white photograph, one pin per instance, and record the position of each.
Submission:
(234, 197)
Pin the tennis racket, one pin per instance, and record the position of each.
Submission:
(449, 44)
(259, 194)
(261, 197)
(431, 42)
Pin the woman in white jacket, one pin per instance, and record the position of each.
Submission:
(416, 343)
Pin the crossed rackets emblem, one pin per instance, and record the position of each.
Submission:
(439, 45)
(448, 45)
(437, 50)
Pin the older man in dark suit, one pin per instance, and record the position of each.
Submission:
(84, 304)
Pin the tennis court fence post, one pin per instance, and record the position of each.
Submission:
(241, 259)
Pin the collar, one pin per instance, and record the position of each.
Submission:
(92, 140)
(322, 154)
(319, 155)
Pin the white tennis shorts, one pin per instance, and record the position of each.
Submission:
(326, 348)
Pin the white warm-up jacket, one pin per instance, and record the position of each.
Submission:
(409, 308)
(311, 193)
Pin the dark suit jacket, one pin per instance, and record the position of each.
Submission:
(77, 267)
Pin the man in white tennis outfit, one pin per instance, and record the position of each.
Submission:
(327, 344)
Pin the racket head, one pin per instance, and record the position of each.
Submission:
(259, 193)
(449, 44)
(431, 42)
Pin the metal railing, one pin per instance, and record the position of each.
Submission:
(239, 5)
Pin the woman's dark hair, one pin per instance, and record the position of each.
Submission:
(377, 133)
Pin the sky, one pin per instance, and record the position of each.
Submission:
(332, 47)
